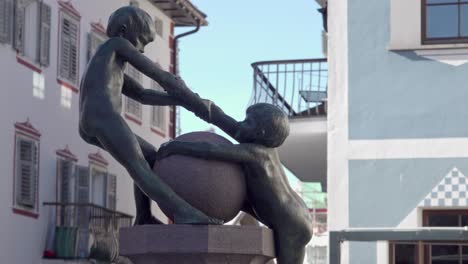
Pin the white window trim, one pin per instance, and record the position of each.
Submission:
(405, 28)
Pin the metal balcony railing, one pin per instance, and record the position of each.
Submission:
(298, 87)
(83, 231)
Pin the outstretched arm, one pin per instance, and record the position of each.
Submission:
(134, 90)
(205, 150)
(173, 85)
(223, 121)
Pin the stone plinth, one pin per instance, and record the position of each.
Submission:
(191, 244)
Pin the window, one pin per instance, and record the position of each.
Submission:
(6, 20)
(38, 85)
(68, 68)
(66, 183)
(111, 191)
(98, 183)
(66, 96)
(158, 25)
(26, 169)
(82, 193)
(445, 21)
(454, 252)
(26, 25)
(134, 3)
(31, 32)
(26, 172)
(95, 39)
(158, 113)
(133, 109)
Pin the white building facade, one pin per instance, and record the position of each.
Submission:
(44, 48)
(397, 132)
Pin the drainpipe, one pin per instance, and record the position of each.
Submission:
(176, 117)
(176, 39)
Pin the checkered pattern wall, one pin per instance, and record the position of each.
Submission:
(451, 191)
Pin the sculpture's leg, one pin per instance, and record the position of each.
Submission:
(287, 251)
(142, 201)
(116, 137)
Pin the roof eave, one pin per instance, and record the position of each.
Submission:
(182, 12)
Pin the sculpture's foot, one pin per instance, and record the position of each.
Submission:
(196, 218)
(149, 220)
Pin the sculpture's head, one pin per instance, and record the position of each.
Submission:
(265, 124)
(132, 23)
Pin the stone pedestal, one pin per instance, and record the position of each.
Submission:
(191, 244)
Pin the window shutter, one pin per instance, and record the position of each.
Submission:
(93, 44)
(44, 34)
(66, 184)
(111, 191)
(158, 25)
(131, 106)
(158, 113)
(26, 172)
(69, 50)
(82, 184)
(20, 20)
(6, 17)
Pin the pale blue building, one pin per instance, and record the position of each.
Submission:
(397, 124)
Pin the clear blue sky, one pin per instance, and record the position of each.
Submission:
(215, 62)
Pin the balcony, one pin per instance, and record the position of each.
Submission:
(83, 231)
(299, 88)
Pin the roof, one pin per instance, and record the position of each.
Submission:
(182, 12)
(322, 3)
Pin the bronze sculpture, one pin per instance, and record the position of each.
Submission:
(271, 199)
(129, 30)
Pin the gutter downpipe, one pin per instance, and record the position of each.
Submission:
(176, 44)
(176, 126)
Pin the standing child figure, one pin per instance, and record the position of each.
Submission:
(271, 199)
(129, 30)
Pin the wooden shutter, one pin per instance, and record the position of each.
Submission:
(66, 180)
(20, 22)
(82, 184)
(43, 41)
(6, 18)
(26, 172)
(69, 49)
(111, 191)
(82, 195)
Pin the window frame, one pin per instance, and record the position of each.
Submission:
(96, 37)
(162, 128)
(129, 115)
(25, 131)
(423, 248)
(159, 26)
(64, 81)
(425, 40)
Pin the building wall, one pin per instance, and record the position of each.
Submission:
(22, 238)
(396, 123)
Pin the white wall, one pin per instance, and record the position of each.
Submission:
(22, 238)
(337, 168)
